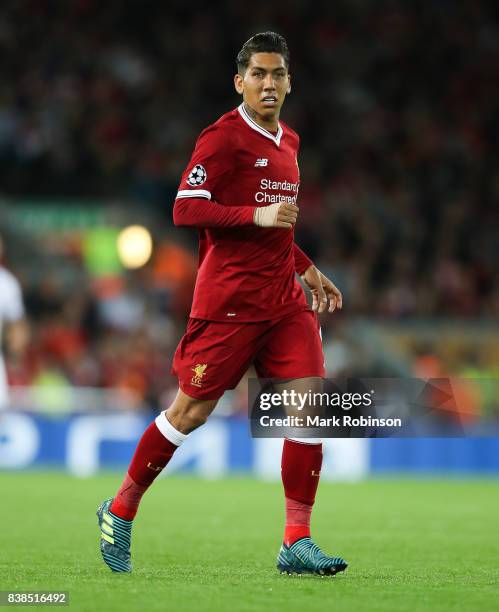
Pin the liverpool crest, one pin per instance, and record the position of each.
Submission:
(199, 371)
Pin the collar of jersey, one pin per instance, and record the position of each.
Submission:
(254, 126)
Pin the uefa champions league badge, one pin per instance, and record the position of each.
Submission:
(197, 176)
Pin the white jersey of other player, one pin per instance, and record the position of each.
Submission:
(11, 310)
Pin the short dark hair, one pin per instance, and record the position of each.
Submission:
(265, 42)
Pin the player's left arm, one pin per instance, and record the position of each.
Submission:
(321, 287)
(302, 261)
(323, 290)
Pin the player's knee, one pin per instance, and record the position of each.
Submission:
(189, 414)
(196, 416)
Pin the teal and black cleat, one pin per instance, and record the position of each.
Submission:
(115, 537)
(305, 557)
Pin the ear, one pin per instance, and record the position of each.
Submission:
(289, 84)
(238, 83)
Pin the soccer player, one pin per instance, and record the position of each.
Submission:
(240, 190)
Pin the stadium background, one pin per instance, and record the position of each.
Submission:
(397, 105)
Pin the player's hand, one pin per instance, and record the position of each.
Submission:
(287, 214)
(322, 290)
(276, 215)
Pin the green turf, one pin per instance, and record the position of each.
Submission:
(202, 545)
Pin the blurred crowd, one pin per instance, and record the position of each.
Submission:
(397, 106)
(113, 331)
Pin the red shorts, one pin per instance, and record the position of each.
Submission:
(212, 357)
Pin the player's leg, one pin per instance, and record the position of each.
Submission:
(154, 450)
(210, 358)
(156, 447)
(301, 465)
(293, 351)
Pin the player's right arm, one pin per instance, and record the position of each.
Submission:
(210, 166)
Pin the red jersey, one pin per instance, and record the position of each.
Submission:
(246, 273)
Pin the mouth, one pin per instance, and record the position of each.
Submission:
(269, 101)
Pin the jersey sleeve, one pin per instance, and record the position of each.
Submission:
(196, 212)
(209, 167)
(302, 262)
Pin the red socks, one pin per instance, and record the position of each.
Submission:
(127, 500)
(152, 454)
(300, 468)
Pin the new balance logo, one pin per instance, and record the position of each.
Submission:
(261, 161)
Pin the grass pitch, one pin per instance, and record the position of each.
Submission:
(198, 545)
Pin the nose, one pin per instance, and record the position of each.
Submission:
(269, 82)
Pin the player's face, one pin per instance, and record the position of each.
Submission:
(265, 84)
